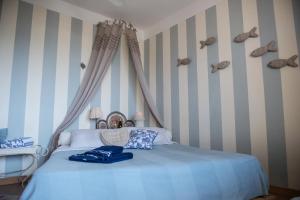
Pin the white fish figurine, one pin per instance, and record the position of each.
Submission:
(279, 63)
(271, 47)
(184, 61)
(207, 42)
(244, 36)
(221, 65)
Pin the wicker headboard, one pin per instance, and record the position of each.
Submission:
(114, 120)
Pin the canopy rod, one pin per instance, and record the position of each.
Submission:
(119, 21)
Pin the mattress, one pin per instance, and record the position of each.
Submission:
(166, 172)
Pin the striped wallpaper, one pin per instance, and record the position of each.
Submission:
(247, 107)
(40, 53)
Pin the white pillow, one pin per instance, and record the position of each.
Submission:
(86, 138)
(118, 137)
(64, 138)
(164, 135)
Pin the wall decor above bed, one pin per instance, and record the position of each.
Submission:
(114, 120)
(244, 36)
(221, 65)
(184, 61)
(270, 47)
(207, 42)
(279, 63)
(82, 65)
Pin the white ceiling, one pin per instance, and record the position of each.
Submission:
(142, 13)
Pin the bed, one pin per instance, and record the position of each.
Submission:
(167, 172)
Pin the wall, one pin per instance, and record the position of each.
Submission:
(40, 53)
(247, 107)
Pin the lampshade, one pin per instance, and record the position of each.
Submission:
(95, 113)
(139, 116)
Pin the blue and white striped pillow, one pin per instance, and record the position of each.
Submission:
(141, 139)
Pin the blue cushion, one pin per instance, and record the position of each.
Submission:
(3, 134)
(141, 139)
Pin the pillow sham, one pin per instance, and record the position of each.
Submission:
(64, 138)
(85, 138)
(117, 137)
(141, 139)
(164, 136)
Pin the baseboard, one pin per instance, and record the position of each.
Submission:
(286, 192)
(11, 180)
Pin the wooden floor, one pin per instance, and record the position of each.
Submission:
(273, 197)
(12, 192)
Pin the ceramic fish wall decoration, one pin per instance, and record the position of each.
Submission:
(82, 65)
(244, 36)
(184, 61)
(271, 47)
(207, 42)
(279, 63)
(221, 65)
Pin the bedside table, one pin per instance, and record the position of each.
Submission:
(23, 151)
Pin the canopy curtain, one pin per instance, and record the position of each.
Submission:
(135, 53)
(104, 49)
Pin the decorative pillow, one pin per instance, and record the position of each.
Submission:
(85, 138)
(64, 139)
(117, 137)
(164, 135)
(141, 139)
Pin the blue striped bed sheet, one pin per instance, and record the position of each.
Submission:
(166, 172)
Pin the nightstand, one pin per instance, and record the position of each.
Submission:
(25, 151)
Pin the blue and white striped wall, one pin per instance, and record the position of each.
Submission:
(247, 107)
(40, 55)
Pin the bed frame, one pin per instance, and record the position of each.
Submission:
(114, 120)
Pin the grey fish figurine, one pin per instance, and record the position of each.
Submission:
(221, 65)
(271, 47)
(207, 42)
(279, 63)
(82, 65)
(184, 61)
(244, 36)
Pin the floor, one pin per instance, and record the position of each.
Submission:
(272, 197)
(12, 192)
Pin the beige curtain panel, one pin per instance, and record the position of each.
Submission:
(134, 50)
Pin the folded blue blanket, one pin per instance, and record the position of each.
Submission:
(104, 154)
(113, 149)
